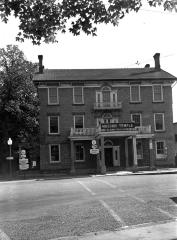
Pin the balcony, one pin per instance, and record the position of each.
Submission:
(76, 132)
(144, 129)
(107, 105)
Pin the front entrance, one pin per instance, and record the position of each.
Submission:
(108, 154)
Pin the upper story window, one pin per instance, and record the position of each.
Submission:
(53, 97)
(159, 122)
(78, 97)
(54, 153)
(106, 95)
(157, 93)
(79, 121)
(53, 122)
(136, 118)
(135, 95)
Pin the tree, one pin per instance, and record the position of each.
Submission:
(19, 105)
(41, 20)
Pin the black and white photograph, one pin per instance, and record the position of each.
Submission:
(88, 120)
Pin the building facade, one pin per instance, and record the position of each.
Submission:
(127, 112)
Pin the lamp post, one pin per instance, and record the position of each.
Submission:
(9, 142)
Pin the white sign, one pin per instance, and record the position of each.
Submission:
(94, 151)
(9, 158)
(93, 142)
(94, 146)
(24, 167)
(23, 161)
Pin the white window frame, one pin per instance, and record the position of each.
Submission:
(49, 103)
(49, 125)
(139, 93)
(153, 87)
(137, 114)
(163, 122)
(50, 157)
(158, 156)
(82, 102)
(78, 115)
(80, 160)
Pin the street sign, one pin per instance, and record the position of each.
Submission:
(93, 142)
(94, 151)
(24, 167)
(23, 161)
(9, 158)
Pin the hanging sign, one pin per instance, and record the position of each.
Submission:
(117, 126)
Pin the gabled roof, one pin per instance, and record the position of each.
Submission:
(103, 74)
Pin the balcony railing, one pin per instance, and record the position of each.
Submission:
(76, 132)
(144, 129)
(107, 105)
(82, 132)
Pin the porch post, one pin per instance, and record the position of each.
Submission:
(126, 153)
(103, 167)
(135, 162)
(72, 171)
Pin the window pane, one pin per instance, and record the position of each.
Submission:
(79, 153)
(53, 98)
(54, 150)
(159, 121)
(157, 93)
(136, 118)
(79, 122)
(106, 96)
(54, 124)
(78, 98)
(135, 93)
(160, 148)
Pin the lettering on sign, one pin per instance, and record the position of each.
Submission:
(117, 126)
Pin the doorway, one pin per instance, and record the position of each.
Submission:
(108, 154)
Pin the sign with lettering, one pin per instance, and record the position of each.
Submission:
(106, 127)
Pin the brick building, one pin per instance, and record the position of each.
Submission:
(128, 112)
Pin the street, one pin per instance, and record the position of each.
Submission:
(49, 209)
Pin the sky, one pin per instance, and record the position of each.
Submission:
(131, 44)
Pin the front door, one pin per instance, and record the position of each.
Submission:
(108, 157)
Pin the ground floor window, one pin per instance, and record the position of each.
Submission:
(79, 150)
(54, 151)
(160, 149)
(139, 148)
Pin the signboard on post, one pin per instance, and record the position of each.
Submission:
(23, 161)
(94, 151)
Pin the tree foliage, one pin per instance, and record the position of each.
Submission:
(19, 106)
(41, 20)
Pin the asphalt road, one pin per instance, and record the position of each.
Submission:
(48, 209)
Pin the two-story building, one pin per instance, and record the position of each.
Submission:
(128, 112)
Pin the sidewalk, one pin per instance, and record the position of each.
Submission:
(38, 175)
(162, 231)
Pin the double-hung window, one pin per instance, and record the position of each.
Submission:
(79, 153)
(53, 97)
(135, 95)
(159, 122)
(79, 121)
(54, 153)
(78, 96)
(161, 149)
(157, 93)
(53, 124)
(136, 118)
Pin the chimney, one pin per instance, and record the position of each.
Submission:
(157, 61)
(147, 65)
(41, 67)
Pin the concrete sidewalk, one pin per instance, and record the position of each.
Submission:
(162, 231)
